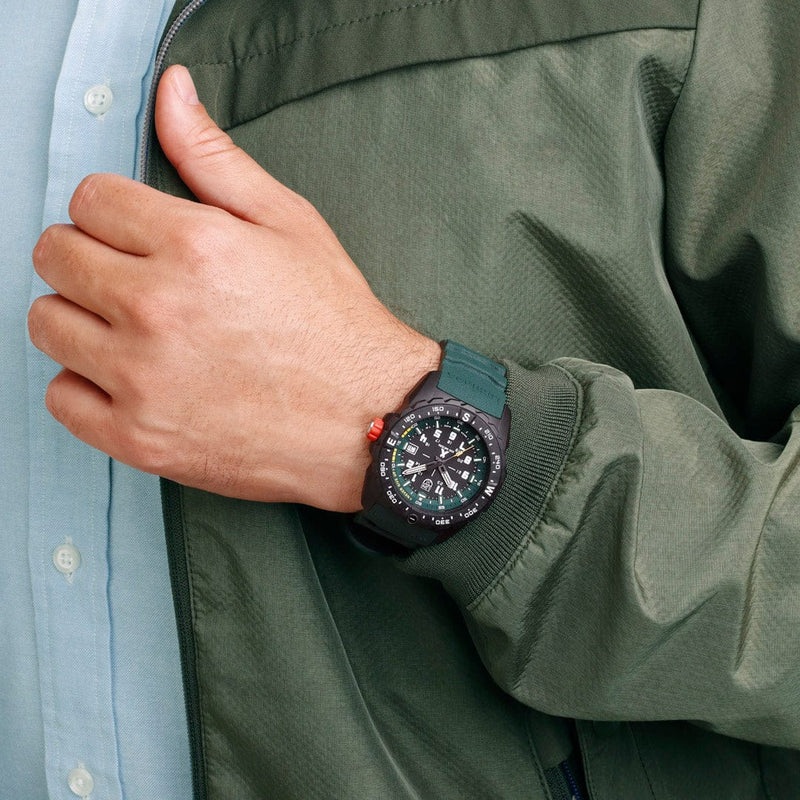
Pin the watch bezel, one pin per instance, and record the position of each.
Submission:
(452, 519)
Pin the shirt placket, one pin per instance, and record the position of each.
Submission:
(69, 481)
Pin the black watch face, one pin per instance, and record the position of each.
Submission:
(441, 464)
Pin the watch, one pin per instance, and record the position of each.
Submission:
(440, 462)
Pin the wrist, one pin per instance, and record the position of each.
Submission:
(405, 366)
(440, 461)
(396, 367)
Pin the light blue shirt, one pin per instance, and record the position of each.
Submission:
(90, 685)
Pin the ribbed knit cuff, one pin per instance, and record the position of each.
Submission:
(545, 405)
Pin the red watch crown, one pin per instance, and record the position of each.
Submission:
(375, 429)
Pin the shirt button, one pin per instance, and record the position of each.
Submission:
(98, 99)
(67, 558)
(80, 781)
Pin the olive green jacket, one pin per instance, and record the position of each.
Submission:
(606, 195)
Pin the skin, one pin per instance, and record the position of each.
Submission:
(230, 344)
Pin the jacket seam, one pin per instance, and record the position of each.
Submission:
(402, 777)
(641, 761)
(552, 492)
(320, 31)
(193, 607)
(349, 77)
(588, 765)
(359, 20)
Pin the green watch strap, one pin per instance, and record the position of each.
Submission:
(473, 378)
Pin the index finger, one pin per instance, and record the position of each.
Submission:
(123, 213)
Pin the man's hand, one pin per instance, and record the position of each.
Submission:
(231, 344)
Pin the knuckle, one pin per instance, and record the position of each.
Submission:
(139, 307)
(43, 248)
(203, 237)
(144, 450)
(36, 320)
(151, 312)
(83, 195)
(53, 398)
(53, 247)
(193, 236)
(301, 208)
(208, 143)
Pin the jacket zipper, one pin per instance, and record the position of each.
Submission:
(170, 492)
(182, 599)
(571, 782)
(161, 57)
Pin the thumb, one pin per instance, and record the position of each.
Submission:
(210, 164)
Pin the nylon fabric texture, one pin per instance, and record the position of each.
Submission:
(602, 204)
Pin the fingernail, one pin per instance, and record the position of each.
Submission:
(184, 86)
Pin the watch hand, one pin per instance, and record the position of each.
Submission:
(418, 468)
(459, 453)
(448, 481)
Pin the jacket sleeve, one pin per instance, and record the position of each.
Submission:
(642, 561)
